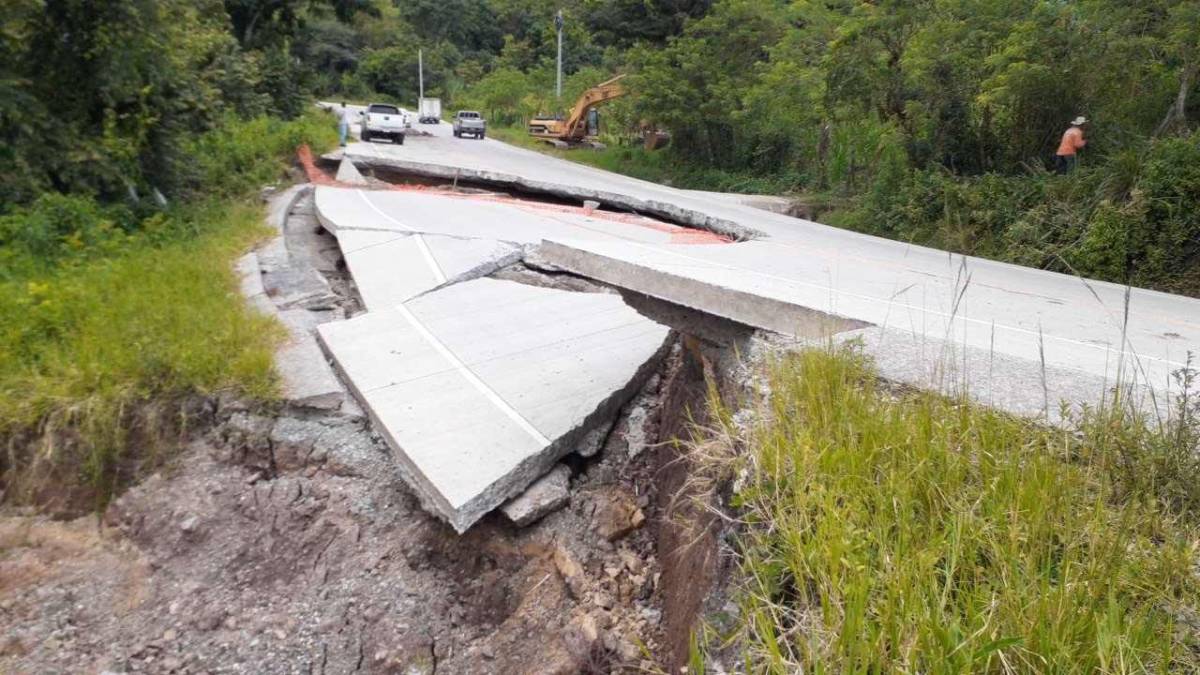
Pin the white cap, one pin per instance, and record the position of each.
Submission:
(1079, 120)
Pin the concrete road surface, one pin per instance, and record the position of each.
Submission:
(1036, 317)
(1019, 339)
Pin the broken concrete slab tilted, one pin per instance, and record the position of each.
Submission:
(480, 387)
(349, 174)
(1103, 331)
(389, 268)
(512, 181)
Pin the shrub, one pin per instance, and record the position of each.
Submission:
(1135, 219)
(242, 154)
(57, 227)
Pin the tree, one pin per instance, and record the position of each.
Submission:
(393, 70)
(624, 23)
(469, 25)
(257, 23)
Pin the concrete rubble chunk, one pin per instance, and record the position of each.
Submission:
(349, 174)
(547, 494)
(290, 282)
(481, 387)
(308, 380)
(616, 515)
(249, 276)
(594, 440)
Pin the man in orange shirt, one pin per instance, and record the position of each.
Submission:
(1072, 142)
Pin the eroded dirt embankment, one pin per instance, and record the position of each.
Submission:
(286, 544)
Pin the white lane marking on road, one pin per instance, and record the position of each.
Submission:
(471, 377)
(438, 274)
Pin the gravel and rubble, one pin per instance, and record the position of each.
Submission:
(285, 543)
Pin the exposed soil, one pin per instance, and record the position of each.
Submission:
(289, 545)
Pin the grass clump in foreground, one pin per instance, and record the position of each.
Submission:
(911, 533)
(111, 315)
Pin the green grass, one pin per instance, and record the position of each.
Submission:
(110, 317)
(658, 166)
(902, 532)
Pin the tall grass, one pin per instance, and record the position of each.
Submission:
(902, 532)
(111, 316)
(659, 166)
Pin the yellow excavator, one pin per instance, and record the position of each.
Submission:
(579, 128)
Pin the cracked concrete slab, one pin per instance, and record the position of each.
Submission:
(287, 287)
(753, 284)
(289, 282)
(349, 174)
(670, 210)
(390, 268)
(485, 217)
(465, 259)
(708, 286)
(249, 276)
(307, 379)
(281, 204)
(480, 387)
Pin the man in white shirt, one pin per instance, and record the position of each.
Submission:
(343, 115)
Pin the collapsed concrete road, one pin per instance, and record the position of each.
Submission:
(482, 386)
(1018, 339)
(958, 316)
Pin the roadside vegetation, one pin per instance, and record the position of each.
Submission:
(110, 317)
(883, 530)
(931, 122)
(136, 138)
(623, 155)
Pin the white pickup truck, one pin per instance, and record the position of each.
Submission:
(383, 120)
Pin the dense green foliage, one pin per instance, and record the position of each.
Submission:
(105, 309)
(131, 132)
(911, 533)
(103, 98)
(930, 121)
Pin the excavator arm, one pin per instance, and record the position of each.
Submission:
(574, 128)
(575, 125)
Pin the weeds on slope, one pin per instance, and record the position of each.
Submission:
(658, 166)
(111, 315)
(905, 532)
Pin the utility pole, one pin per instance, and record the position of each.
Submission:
(558, 23)
(420, 77)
